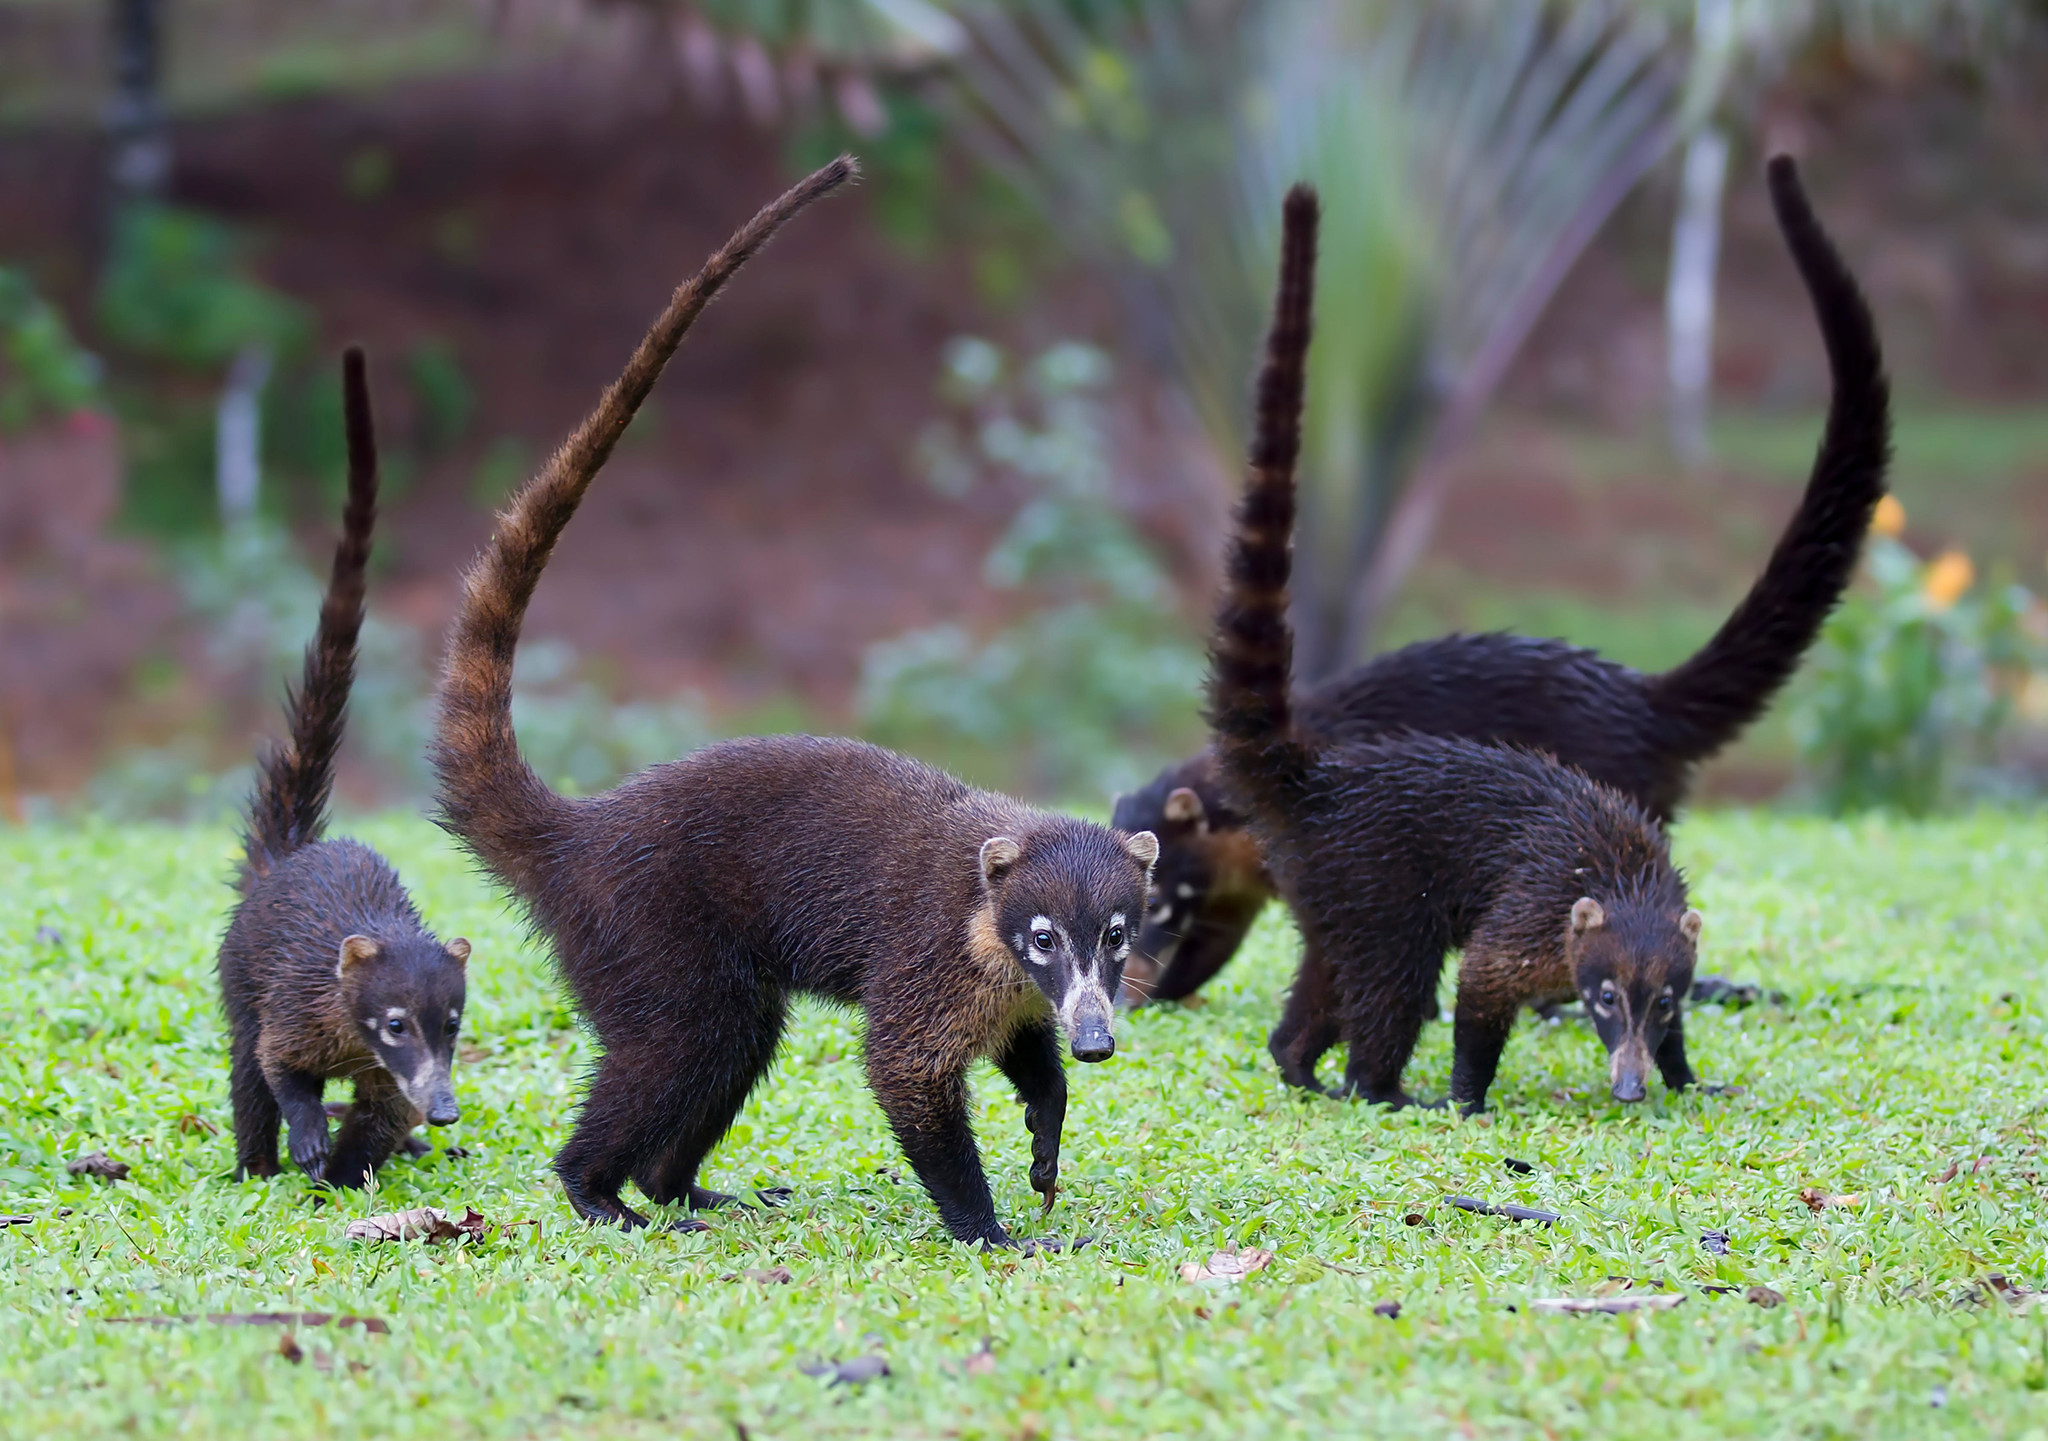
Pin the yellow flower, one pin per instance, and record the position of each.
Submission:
(1946, 578)
(1889, 519)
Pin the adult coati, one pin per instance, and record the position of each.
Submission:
(327, 971)
(1642, 734)
(689, 904)
(1395, 850)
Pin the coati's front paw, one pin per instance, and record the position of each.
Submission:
(309, 1149)
(1045, 1179)
(1051, 1245)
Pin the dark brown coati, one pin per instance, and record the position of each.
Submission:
(1642, 734)
(326, 970)
(687, 906)
(1395, 850)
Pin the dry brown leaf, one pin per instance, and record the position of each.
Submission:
(1818, 1200)
(424, 1223)
(1611, 1305)
(98, 1163)
(1227, 1266)
(771, 1276)
(289, 1349)
(193, 1125)
(1765, 1297)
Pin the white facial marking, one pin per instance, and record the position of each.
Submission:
(1038, 957)
(1183, 890)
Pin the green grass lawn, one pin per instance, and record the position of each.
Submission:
(1909, 1046)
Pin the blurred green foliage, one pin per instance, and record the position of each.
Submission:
(176, 289)
(1913, 683)
(44, 373)
(1081, 691)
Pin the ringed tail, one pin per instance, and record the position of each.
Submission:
(1707, 700)
(488, 795)
(289, 808)
(1251, 654)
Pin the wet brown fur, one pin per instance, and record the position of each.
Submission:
(1642, 734)
(296, 1020)
(1393, 851)
(688, 905)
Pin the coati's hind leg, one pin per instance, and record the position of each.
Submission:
(377, 1124)
(661, 1099)
(1308, 1027)
(1031, 1059)
(724, 1070)
(256, 1117)
(1388, 990)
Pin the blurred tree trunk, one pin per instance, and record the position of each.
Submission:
(140, 160)
(1689, 293)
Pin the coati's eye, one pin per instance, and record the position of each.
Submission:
(1042, 940)
(1607, 993)
(395, 1026)
(454, 1024)
(1115, 937)
(1663, 1005)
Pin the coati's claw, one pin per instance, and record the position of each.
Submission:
(775, 1195)
(687, 1225)
(309, 1152)
(1052, 1245)
(1050, 1192)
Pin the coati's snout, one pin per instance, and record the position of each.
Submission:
(1067, 901)
(407, 1001)
(1632, 965)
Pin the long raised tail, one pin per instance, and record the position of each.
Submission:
(289, 808)
(488, 796)
(1706, 701)
(1251, 654)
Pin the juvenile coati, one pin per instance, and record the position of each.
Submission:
(1642, 734)
(1395, 850)
(327, 971)
(687, 906)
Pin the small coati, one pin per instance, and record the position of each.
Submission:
(1395, 850)
(1642, 734)
(688, 905)
(326, 970)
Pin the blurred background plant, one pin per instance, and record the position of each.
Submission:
(1099, 678)
(44, 373)
(489, 190)
(1916, 681)
(1465, 154)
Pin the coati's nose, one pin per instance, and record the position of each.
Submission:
(1093, 1041)
(443, 1111)
(1628, 1086)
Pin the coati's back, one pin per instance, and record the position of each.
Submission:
(278, 956)
(1444, 828)
(1586, 710)
(774, 848)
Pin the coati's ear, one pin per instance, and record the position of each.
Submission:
(1690, 924)
(998, 854)
(356, 951)
(459, 949)
(1144, 849)
(1587, 916)
(1184, 808)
